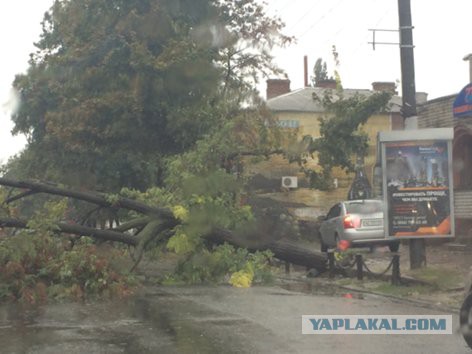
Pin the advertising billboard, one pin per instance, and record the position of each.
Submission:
(417, 183)
(462, 106)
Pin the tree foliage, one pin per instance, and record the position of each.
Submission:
(219, 262)
(37, 263)
(37, 266)
(252, 34)
(320, 72)
(116, 86)
(139, 93)
(341, 140)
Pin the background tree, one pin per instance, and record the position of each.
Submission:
(320, 72)
(139, 93)
(341, 139)
(117, 86)
(253, 34)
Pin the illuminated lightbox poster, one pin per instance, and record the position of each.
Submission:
(417, 183)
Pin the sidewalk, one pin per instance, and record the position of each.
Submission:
(447, 264)
(439, 285)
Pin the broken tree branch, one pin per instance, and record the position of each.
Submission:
(19, 196)
(255, 153)
(106, 235)
(286, 250)
(153, 230)
(91, 197)
(133, 224)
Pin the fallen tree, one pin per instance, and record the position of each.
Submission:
(155, 224)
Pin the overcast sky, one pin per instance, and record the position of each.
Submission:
(441, 37)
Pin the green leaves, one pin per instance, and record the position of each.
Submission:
(341, 139)
(96, 78)
(320, 72)
(223, 263)
(126, 95)
(46, 218)
(118, 86)
(180, 243)
(35, 266)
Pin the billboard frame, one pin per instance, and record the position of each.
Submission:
(424, 138)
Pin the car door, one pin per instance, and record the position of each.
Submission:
(329, 226)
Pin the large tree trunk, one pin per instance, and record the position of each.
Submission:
(283, 249)
(291, 252)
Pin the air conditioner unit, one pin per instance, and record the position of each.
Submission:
(289, 182)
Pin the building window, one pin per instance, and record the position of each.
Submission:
(289, 123)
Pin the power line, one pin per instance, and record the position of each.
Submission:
(306, 13)
(368, 35)
(287, 3)
(320, 19)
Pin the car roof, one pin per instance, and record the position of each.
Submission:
(362, 201)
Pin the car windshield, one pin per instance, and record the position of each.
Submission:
(364, 207)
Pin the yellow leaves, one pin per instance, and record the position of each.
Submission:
(338, 256)
(241, 279)
(198, 199)
(180, 212)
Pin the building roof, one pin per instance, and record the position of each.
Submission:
(301, 100)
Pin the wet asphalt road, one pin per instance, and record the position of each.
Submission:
(210, 320)
(275, 315)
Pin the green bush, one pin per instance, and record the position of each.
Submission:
(219, 263)
(37, 267)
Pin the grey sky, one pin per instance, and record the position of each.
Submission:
(441, 37)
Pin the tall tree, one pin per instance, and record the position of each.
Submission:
(320, 72)
(341, 139)
(117, 85)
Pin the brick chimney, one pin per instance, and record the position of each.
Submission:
(277, 87)
(328, 83)
(305, 70)
(421, 97)
(384, 86)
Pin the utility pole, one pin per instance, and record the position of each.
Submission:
(407, 60)
(417, 246)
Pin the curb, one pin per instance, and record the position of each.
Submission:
(425, 304)
(420, 303)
